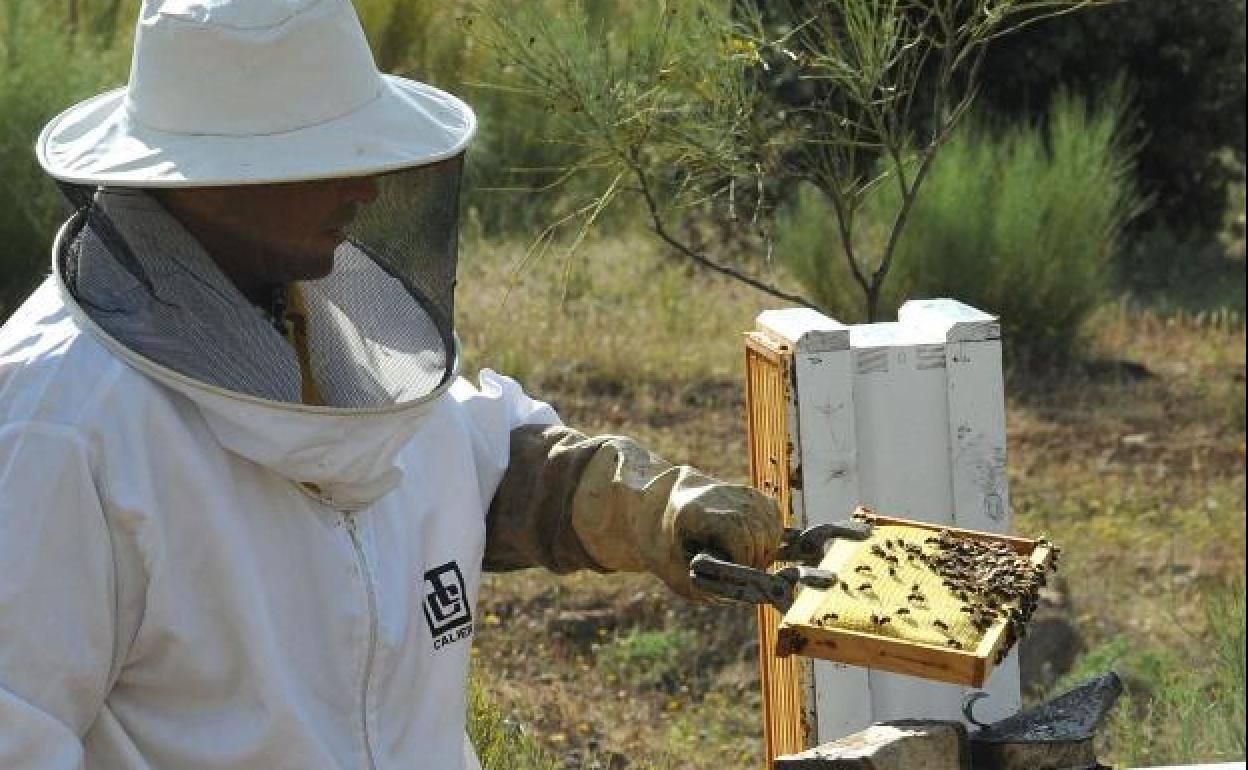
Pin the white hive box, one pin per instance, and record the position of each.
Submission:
(907, 417)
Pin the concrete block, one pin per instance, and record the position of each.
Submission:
(898, 745)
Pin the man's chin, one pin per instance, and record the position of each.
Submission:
(319, 270)
(312, 267)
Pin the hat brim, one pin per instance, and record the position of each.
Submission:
(409, 124)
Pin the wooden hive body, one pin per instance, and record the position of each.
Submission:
(906, 417)
(786, 682)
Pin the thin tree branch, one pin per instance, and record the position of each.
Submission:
(660, 230)
(845, 226)
(925, 164)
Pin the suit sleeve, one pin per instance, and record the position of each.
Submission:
(56, 598)
(530, 518)
(528, 464)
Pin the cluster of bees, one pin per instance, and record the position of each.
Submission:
(990, 579)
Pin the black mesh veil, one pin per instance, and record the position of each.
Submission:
(376, 332)
(412, 230)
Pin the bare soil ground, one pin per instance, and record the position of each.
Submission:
(1135, 463)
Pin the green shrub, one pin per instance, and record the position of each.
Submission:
(510, 161)
(1178, 707)
(1021, 222)
(1187, 59)
(1172, 273)
(649, 659)
(500, 744)
(43, 69)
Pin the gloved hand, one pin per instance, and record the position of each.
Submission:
(633, 512)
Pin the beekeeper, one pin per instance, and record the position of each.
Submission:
(245, 499)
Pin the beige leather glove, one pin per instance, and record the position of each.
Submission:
(633, 512)
(569, 501)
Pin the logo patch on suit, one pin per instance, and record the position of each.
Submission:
(446, 605)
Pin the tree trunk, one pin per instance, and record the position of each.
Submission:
(873, 302)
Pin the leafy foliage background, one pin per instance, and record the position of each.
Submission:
(1185, 62)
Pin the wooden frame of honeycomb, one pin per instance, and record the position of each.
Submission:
(920, 599)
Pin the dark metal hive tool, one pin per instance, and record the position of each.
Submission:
(727, 579)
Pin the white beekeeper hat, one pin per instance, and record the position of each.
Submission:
(231, 92)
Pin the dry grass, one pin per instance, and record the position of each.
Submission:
(618, 339)
(1138, 468)
(1141, 473)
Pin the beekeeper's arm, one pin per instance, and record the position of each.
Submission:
(56, 598)
(568, 501)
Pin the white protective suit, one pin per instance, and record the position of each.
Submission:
(192, 577)
(159, 560)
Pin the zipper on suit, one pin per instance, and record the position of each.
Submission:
(366, 575)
